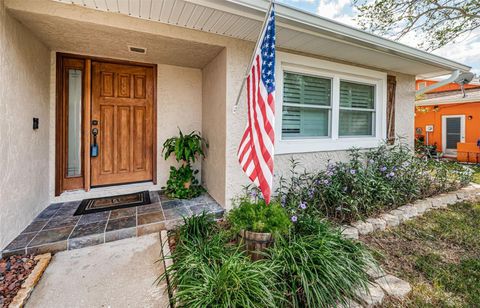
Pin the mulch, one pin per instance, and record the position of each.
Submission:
(13, 272)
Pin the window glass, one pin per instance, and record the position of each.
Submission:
(357, 109)
(306, 106)
(74, 159)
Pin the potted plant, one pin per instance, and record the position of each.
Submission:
(257, 223)
(182, 182)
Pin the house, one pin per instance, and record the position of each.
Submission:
(448, 118)
(126, 74)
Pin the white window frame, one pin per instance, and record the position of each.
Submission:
(329, 108)
(298, 64)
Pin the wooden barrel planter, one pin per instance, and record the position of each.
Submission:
(255, 242)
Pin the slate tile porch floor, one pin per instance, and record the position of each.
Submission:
(56, 229)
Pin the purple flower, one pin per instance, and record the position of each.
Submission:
(310, 193)
(329, 173)
(303, 205)
(253, 193)
(353, 171)
(294, 218)
(392, 174)
(326, 182)
(371, 161)
(283, 200)
(383, 169)
(394, 168)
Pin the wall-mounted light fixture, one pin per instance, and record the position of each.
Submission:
(470, 117)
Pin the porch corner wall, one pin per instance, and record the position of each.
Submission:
(24, 94)
(214, 126)
(179, 106)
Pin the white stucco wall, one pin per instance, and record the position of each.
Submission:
(24, 94)
(404, 109)
(214, 125)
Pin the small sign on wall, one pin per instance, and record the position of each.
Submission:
(429, 128)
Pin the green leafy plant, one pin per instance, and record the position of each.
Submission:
(370, 182)
(253, 214)
(319, 267)
(182, 182)
(209, 272)
(186, 148)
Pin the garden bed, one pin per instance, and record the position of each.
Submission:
(314, 218)
(18, 276)
(438, 254)
(313, 265)
(13, 272)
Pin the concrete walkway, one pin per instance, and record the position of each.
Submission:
(115, 274)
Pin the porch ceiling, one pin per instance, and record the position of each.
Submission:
(297, 30)
(73, 36)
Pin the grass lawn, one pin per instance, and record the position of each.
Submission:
(476, 174)
(439, 254)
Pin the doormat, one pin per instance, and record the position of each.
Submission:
(102, 204)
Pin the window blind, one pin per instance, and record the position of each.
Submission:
(355, 95)
(306, 106)
(357, 109)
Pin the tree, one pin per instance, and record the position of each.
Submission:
(436, 22)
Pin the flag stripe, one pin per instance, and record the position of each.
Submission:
(256, 150)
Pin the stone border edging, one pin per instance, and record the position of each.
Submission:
(409, 211)
(383, 282)
(167, 262)
(27, 287)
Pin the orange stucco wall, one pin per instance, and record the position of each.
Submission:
(432, 115)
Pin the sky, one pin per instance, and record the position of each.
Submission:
(466, 50)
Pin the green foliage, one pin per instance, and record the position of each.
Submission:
(313, 268)
(435, 23)
(182, 183)
(255, 215)
(197, 228)
(320, 268)
(371, 181)
(185, 147)
(208, 272)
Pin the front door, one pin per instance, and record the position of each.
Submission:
(122, 114)
(453, 132)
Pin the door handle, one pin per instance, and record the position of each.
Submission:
(94, 146)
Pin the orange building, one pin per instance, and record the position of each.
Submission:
(447, 119)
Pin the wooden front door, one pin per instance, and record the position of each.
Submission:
(122, 112)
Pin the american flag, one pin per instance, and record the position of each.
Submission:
(256, 149)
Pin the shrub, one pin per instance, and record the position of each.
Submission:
(182, 182)
(255, 215)
(371, 181)
(320, 268)
(209, 272)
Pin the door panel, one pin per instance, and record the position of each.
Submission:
(453, 132)
(122, 102)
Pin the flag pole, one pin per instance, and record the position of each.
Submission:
(260, 36)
